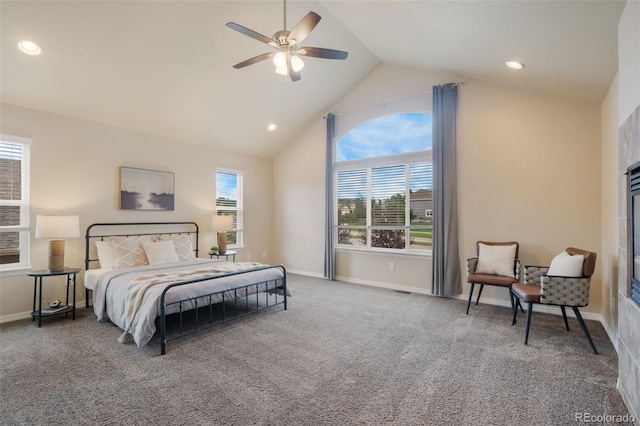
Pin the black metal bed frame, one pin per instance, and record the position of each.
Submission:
(269, 287)
(208, 299)
(191, 229)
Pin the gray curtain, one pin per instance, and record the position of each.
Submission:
(446, 279)
(329, 245)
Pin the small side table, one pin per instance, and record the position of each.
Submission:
(226, 254)
(37, 290)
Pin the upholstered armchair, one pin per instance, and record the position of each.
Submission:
(497, 265)
(565, 283)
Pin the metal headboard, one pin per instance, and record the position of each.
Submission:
(100, 231)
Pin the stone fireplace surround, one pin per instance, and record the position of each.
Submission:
(628, 311)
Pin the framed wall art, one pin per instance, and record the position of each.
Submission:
(142, 189)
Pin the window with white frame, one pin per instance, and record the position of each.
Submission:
(14, 202)
(383, 179)
(229, 202)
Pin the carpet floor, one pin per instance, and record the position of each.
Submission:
(342, 354)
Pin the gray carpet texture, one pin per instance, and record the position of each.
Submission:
(342, 354)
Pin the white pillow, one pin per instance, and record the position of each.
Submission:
(106, 254)
(566, 265)
(498, 259)
(183, 245)
(160, 252)
(129, 251)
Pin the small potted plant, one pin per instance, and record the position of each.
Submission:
(213, 250)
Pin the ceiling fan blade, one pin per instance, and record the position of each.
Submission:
(250, 33)
(253, 60)
(294, 75)
(304, 27)
(320, 52)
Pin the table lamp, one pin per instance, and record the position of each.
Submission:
(222, 224)
(56, 228)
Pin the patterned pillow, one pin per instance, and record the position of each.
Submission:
(129, 251)
(183, 245)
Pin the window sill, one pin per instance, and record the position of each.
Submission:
(386, 252)
(14, 272)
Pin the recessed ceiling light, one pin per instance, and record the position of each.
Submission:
(271, 127)
(515, 65)
(29, 47)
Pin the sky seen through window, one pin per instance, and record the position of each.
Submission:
(387, 135)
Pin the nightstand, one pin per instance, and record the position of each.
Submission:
(70, 273)
(226, 254)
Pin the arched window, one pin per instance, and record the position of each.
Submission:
(384, 186)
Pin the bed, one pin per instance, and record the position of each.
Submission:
(147, 279)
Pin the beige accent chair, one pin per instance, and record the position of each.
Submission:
(504, 278)
(563, 291)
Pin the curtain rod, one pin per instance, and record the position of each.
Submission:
(385, 103)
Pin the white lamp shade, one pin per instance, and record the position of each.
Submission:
(57, 227)
(222, 223)
(296, 63)
(280, 60)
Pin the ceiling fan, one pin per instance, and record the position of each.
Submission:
(287, 57)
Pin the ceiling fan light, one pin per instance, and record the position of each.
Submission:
(282, 70)
(280, 59)
(296, 63)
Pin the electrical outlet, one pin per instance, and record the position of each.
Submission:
(248, 256)
(264, 254)
(392, 266)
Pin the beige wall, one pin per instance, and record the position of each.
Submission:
(629, 60)
(298, 176)
(609, 210)
(529, 170)
(75, 170)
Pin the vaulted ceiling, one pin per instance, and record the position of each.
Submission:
(165, 68)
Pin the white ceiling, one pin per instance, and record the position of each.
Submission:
(165, 68)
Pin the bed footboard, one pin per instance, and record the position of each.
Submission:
(232, 303)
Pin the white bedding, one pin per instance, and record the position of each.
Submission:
(110, 288)
(91, 277)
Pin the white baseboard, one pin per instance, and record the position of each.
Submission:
(612, 337)
(15, 317)
(305, 273)
(547, 309)
(25, 315)
(396, 287)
